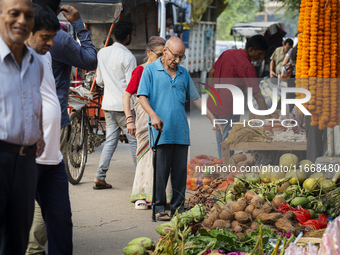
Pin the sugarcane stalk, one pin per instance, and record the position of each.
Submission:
(209, 245)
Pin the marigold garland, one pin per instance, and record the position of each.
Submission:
(317, 60)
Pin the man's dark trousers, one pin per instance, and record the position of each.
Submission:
(53, 198)
(18, 181)
(171, 159)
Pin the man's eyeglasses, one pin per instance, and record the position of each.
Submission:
(176, 56)
(158, 54)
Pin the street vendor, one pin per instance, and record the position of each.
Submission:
(236, 64)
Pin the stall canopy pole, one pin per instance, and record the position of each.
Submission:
(330, 142)
(157, 4)
(146, 24)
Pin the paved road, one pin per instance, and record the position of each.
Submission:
(104, 220)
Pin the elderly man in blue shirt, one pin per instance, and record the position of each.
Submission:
(21, 139)
(162, 92)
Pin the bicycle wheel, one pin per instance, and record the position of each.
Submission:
(77, 149)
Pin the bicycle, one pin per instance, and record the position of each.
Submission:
(87, 130)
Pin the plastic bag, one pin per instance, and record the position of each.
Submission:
(302, 215)
(330, 244)
(310, 249)
(319, 223)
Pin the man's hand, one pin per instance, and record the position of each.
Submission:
(157, 123)
(40, 147)
(217, 128)
(272, 74)
(71, 13)
(131, 129)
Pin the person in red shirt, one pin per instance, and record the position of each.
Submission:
(142, 184)
(235, 67)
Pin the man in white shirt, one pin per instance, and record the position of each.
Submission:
(115, 66)
(52, 190)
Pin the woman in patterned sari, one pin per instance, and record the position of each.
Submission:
(143, 181)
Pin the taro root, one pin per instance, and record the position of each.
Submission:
(220, 224)
(249, 195)
(250, 209)
(277, 201)
(290, 215)
(257, 201)
(268, 218)
(241, 236)
(242, 217)
(283, 224)
(226, 215)
(254, 226)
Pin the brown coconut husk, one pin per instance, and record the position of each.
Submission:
(257, 202)
(251, 161)
(283, 224)
(274, 230)
(213, 216)
(230, 204)
(237, 207)
(239, 157)
(290, 215)
(241, 236)
(264, 209)
(242, 163)
(228, 223)
(243, 203)
(226, 215)
(242, 217)
(249, 231)
(269, 218)
(277, 201)
(249, 195)
(207, 223)
(249, 209)
(216, 208)
(220, 224)
(254, 226)
(226, 206)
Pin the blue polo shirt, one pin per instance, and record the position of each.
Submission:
(167, 98)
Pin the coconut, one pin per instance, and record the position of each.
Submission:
(249, 195)
(236, 207)
(235, 225)
(265, 174)
(249, 231)
(220, 224)
(289, 159)
(327, 185)
(277, 201)
(296, 176)
(253, 178)
(283, 187)
(230, 203)
(243, 203)
(241, 236)
(226, 215)
(213, 216)
(310, 184)
(269, 218)
(257, 201)
(305, 165)
(207, 223)
(254, 226)
(251, 161)
(242, 163)
(265, 209)
(217, 208)
(290, 215)
(226, 207)
(239, 157)
(249, 209)
(242, 217)
(283, 224)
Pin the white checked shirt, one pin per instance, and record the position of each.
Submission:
(115, 66)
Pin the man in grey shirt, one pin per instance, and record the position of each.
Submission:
(21, 139)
